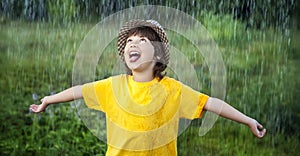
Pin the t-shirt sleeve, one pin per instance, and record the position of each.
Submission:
(94, 94)
(192, 103)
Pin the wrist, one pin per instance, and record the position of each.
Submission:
(46, 100)
(248, 121)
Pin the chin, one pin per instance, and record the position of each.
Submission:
(138, 66)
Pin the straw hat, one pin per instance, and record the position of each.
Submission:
(123, 34)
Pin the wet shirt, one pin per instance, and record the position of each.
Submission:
(142, 117)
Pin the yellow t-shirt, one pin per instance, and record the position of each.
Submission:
(142, 117)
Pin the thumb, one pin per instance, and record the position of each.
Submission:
(259, 126)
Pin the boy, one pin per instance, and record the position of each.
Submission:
(143, 107)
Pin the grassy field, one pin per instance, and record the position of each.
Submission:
(37, 60)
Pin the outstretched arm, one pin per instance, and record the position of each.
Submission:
(70, 94)
(225, 110)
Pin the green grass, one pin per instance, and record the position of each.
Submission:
(261, 82)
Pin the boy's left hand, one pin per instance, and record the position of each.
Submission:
(39, 108)
(257, 129)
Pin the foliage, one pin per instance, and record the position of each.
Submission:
(256, 13)
(62, 10)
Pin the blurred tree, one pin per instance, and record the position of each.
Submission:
(256, 13)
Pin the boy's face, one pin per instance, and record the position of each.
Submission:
(139, 53)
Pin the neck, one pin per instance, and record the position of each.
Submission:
(145, 76)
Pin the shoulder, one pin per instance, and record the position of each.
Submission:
(171, 82)
(108, 81)
(111, 78)
(119, 77)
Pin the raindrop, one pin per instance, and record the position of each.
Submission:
(35, 97)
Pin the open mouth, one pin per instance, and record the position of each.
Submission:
(134, 56)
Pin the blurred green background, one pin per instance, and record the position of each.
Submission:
(258, 40)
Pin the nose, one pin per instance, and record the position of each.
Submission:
(133, 45)
(134, 41)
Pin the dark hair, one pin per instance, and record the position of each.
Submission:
(159, 52)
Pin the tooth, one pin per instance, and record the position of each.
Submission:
(133, 53)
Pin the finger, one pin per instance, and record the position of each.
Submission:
(31, 109)
(34, 109)
(33, 106)
(259, 126)
(262, 133)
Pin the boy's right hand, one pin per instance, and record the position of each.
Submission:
(39, 108)
(257, 129)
